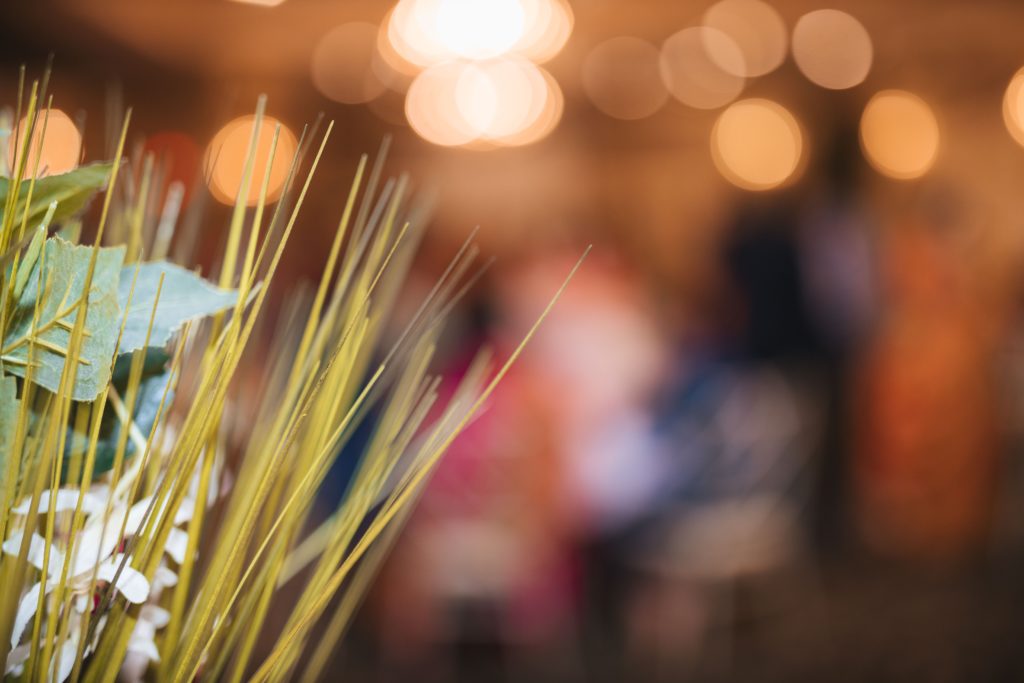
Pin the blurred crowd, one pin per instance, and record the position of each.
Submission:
(660, 486)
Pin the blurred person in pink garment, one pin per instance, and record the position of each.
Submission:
(491, 553)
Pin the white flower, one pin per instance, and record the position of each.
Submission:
(94, 548)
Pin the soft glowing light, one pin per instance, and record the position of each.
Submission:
(545, 121)
(547, 27)
(342, 64)
(757, 144)
(690, 74)
(391, 66)
(226, 157)
(430, 106)
(622, 78)
(899, 134)
(425, 32)
(483, 104)
(411, 31)
(479, 29)
(61, 144)
(755, 27)
(1013, 107)
(832, 49)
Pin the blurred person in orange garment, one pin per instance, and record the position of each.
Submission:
(927, 443)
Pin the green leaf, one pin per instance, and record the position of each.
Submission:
(71, 190)
(154, 381)
(65, 266)
(8, 422)
(28, 263)
(185, 296)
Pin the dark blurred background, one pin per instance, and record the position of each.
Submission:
(774, 430)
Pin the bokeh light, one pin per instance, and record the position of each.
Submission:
(411, 33)
(493, 103)
(899, 134)
(61, 147)
(622, 78)
(757, 144)
(431, 106)
(1013, 107)
(545, 113)
(547, 26)
(693, 77)
(389, 65)
(755, 27)
(227, 154)
(479, 29)
(832, 49)
(425, 32)
(342, 64)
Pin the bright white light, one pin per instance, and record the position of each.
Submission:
(476, 97)
(427, 32)
(546, 28)
(497, 103)
(478, 29)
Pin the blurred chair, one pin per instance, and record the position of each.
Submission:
(743, 445)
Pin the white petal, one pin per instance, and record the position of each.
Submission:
(100, 490)
(133, 668)
(155, 615)
(143, 630)
(185, 511)
(131, 583)
(97, 541)
(164, 577)
(26, 610)
(144, 647)
(17, 658)
(177, 545)
(64, 659)
(67, 499)
(36, 550)
(137, 515)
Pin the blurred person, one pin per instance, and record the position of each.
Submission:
(736, 431)
(927, 447)
(490, 557)
(838, 263)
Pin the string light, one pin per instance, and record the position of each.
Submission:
(342, 64)
(755, 27)
(832, 49)
(622, 78)
(226, 157)
(693, 77)
(1013, 107)
(61, 147)
(757, 144)
(899, 134)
